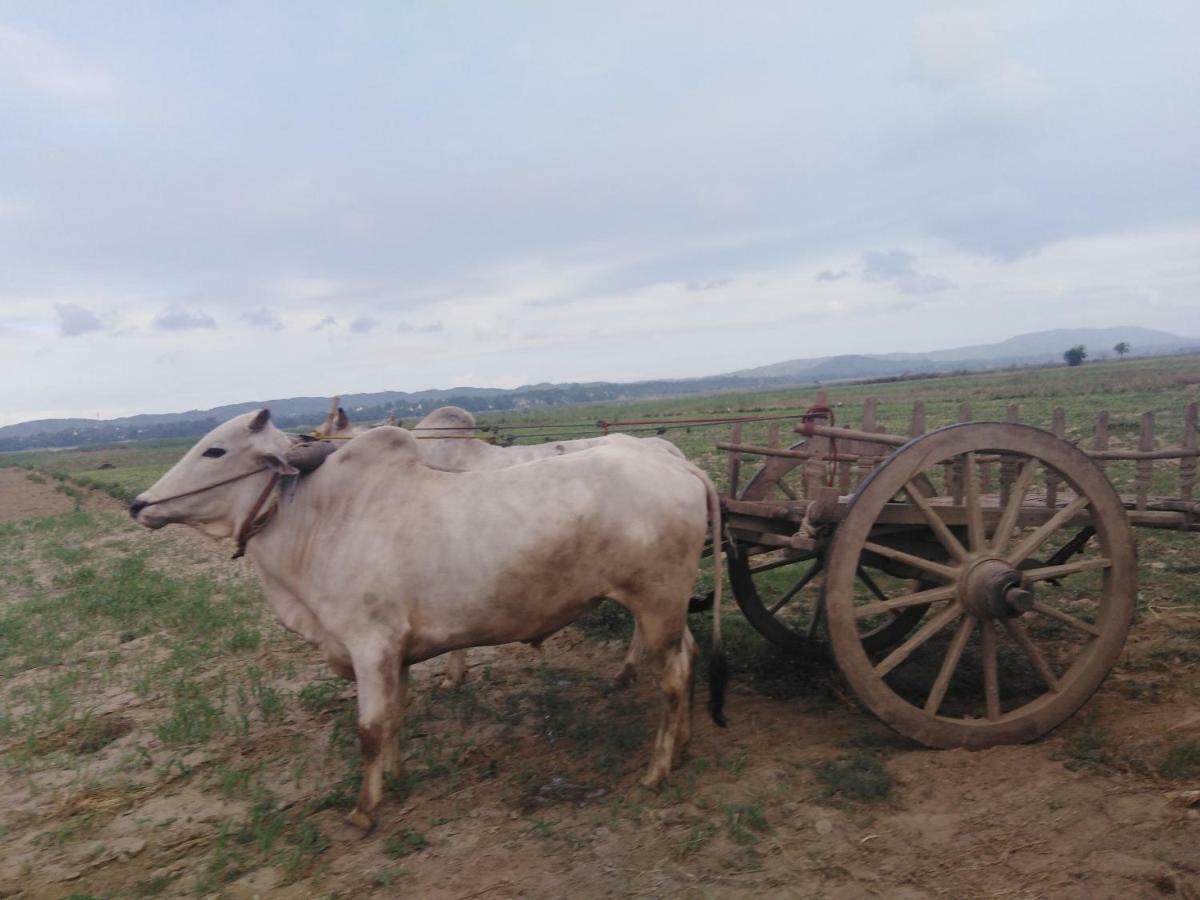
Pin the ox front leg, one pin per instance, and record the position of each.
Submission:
(382, 682)
(456, 668)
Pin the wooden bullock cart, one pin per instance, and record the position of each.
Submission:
(974, 584)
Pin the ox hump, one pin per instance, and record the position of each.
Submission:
(385, 443)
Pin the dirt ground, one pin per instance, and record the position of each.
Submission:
(524, 805)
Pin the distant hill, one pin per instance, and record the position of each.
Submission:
(1035, 348)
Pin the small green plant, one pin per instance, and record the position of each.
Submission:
(387, 877)
(270, 703)
(244, 640)
(1181, 761)
(1089, 746)
(859, 777)
(320, 696)
(194, 717)
(699, 835)
(404, 842)
(307, 842)
(745, 821)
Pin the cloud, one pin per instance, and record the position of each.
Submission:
(962, 53)
(262, 318)
(327, 322)
(830, 275)
(363, 325)
(884, 265)
(39, 63)
(710, 285)
(74, 320)
(898, 267)
(431, 328)
(176, 318)
(300, 287)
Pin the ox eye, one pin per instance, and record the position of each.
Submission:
(213, 452)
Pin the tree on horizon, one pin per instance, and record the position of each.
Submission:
(1076, 355)
(1122, 348)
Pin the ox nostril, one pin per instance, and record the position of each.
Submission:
(136, 507)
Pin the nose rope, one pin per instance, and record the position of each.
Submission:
(253, 524)
(201, 490)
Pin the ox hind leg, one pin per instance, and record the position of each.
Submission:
(627, 674)
(382, 689)
(669, 646)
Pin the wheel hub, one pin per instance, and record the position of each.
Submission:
(993, 589)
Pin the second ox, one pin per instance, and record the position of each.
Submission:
(446, 440)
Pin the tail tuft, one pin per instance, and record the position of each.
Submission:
(718, 680)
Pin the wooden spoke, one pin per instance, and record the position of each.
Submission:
(918, 598)
(783, 486)
(949, 665)
(1021, 637)
(797, 587)
(774, 564)
(870, 583)
(1066, 619)
(818, 611)
(945, 573)
(1046, 573)
(936, 525)
(1041, 534)
(991, 669)
(928, 630)
(1008, 519)
(975, 532)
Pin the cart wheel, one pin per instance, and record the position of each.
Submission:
(779, 592)
(780, 596)
(1007, 652)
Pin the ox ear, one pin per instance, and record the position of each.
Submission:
(260, 420)
(278, 464)
(342, 422)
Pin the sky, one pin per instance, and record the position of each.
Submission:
(218, 202)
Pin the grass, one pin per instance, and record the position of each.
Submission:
(1181, 761)
(745, 821)
(404, 842)
(855, 778)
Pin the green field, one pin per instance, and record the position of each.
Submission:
(1163, 386)
(142, 678)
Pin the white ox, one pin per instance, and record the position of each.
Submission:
(446, 440)
(382, 561)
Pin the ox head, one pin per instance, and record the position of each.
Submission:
(217, 483)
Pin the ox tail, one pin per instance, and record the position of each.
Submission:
(718, 665)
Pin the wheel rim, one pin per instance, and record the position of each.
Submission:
(946, 684)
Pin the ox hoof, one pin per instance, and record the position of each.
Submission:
(362, 821)
(625, 678)
(652, 782)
